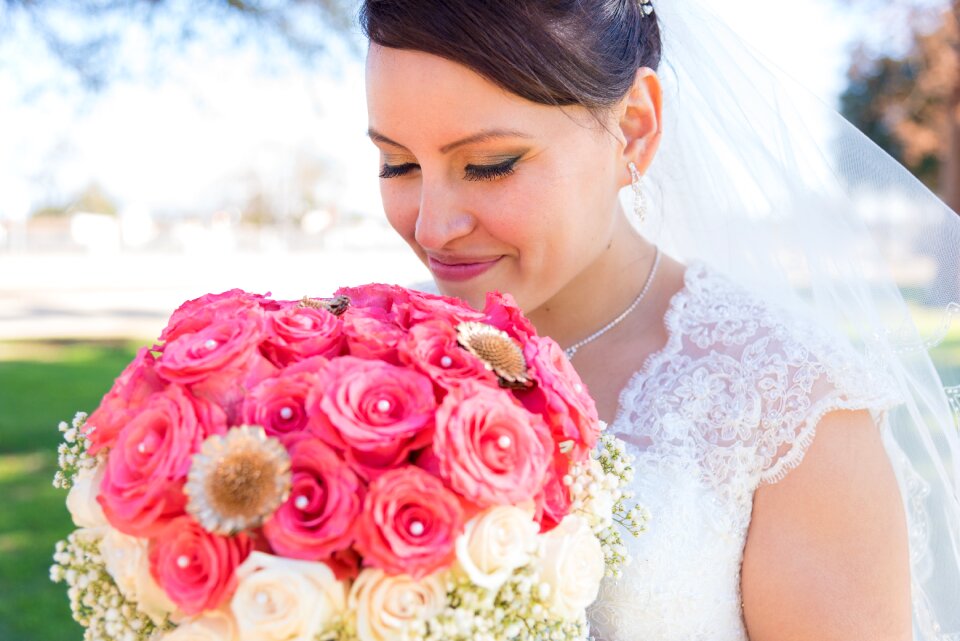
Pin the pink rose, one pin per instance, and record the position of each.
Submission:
(491, 450)
(278, 404)
(560, 397)
(432, 348)
(502, 312)
(409, 523)
(197, 314)
(378, 412)
(228, 387)
(553, 501)
(425, 307)
(372, 334)
(227, 343)
(194, 567)
(325, 500)
(345, 564)
(301, 332)
(132, 387)
(142, 487)
(389, 300)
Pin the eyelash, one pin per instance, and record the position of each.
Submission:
(473, 172)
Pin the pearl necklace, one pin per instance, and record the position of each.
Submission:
(572, 350)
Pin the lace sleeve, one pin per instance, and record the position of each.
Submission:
(811, 374)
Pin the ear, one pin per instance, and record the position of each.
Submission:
(640, 124)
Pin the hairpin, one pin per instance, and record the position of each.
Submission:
(646, 6)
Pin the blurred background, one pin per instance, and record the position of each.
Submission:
(155, 150)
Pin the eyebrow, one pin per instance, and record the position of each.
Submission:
(482, 136)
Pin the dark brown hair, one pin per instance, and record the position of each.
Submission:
(553, 52)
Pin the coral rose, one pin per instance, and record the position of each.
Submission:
(377, 411)
(490, 449)
(194, 567)
(137, 381)
(278, 404)
(326, 495)
(502, 311)
(296, 333)
(387, 302)
(423, 307)
(225, 344)
(560, 397)
(197, 314)
(554, 500)
(142, 486)
(372, 334)
(432, 348)
(409, 523)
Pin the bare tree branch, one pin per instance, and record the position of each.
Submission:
(86, 36)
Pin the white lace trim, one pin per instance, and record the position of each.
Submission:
(732, 400)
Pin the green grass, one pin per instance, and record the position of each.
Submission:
(41, 384)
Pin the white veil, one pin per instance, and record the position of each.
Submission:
(745, 181)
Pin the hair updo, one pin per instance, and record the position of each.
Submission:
(552, 52)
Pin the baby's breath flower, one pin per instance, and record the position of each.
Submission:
(516, 612)
(72, 453)
(598, 489)
(95, 600)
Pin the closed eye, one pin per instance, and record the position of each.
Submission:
(490, 172)
(392, 171)
(472, 172)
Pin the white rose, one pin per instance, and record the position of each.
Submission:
(128, 563)
(215, 625)
(281, 599)
(573, 567)
(495, 543)
(385, 606)
(82, 499)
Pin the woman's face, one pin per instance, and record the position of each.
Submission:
(524, 210)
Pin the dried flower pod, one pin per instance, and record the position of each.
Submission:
(500, 353)
(336, 306)
(237, 480)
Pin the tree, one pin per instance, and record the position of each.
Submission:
(909, 102)
(86, 35)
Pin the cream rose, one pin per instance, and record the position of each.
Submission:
(215, 625)
(281, 599)
(127, 562)
(385, 606)
(495, 543)
(82, 499)
(572, 565)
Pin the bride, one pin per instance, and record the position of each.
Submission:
(799, 465)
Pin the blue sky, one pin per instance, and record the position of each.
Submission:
(183, 140)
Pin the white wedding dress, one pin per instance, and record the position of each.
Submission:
(729, 403)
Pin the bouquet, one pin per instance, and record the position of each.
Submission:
(384, 464)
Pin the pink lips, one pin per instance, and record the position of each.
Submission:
(459, 271)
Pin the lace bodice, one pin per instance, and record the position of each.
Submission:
(730, 402)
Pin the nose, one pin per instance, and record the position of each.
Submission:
(441, 219)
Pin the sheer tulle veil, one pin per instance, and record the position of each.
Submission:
(760, 179)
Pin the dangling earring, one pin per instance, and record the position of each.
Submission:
(639, 204)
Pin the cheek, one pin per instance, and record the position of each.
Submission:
(400, 205)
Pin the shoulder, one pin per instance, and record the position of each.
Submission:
(785, 369)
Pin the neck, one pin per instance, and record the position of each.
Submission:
(599, 293)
